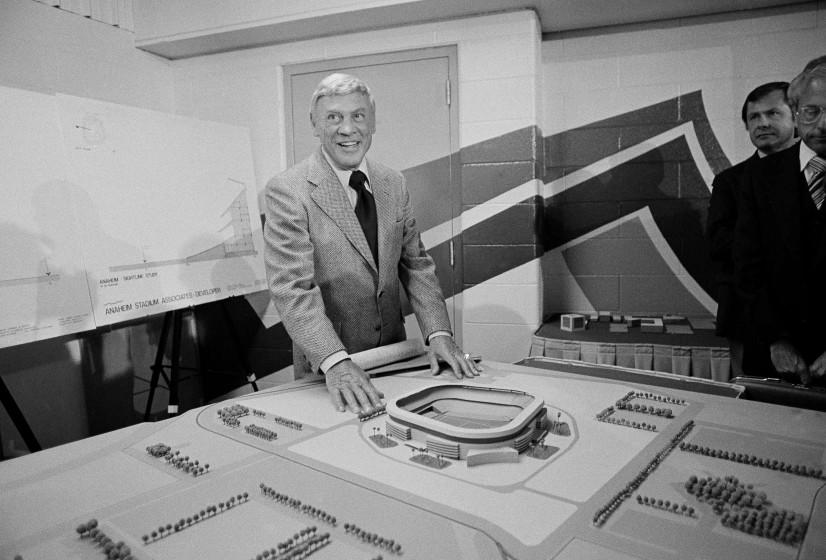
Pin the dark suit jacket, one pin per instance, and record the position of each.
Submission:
(780, 254)
(327, 288)
(722, 218)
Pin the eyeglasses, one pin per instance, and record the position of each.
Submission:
(809, 114)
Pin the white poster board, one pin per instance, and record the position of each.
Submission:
(43, 290)
(119, 213)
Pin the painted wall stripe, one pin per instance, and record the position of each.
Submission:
(647, 219)
(478, 214)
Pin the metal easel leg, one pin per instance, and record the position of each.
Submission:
(157, 367)
(239, 347)
(17, 418)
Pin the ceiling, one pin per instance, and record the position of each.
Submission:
(569, 15)
(555, 16)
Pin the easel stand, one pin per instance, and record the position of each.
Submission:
(17, 418)
(173, 320)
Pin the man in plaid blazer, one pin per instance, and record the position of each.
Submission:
(335, 293)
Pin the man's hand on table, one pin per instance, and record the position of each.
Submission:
(818, 367)
(786, 359)
(349, 385)
(443, 348)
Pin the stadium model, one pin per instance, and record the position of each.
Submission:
(453, 420)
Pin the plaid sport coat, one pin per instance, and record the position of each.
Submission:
(329, 293)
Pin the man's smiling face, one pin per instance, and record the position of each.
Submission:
(345, 125)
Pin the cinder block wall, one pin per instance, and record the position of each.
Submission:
(586, 157)
(498, 95)
(636, 122)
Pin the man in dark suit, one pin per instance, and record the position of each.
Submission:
(770, 124)
(340, 241)
(780, 241)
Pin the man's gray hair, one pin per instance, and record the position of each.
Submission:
(814, 70)
(340, 84)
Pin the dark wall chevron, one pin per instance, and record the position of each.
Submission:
(665, 179)
(578, 147)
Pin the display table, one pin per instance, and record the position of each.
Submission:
(694, 352)
(281, 469)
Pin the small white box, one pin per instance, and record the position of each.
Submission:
(572, 322)
(651, 325)
(632, 321)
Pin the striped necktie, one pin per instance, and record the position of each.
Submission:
(817, 188)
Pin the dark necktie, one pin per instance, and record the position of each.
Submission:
(817, 187)
(366, 212)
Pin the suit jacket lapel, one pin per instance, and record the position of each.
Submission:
(784, 194)
(330, 197)
(386, 217)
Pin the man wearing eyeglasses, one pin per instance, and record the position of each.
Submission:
(770, 124)
(780, 243)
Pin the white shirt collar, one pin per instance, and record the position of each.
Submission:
(344, 174)
(806, 153)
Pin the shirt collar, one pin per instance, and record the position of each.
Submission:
(344, 174)
(806, 153)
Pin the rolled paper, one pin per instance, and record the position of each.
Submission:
(388, 354)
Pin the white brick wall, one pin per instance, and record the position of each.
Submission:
(591, 77)
(498, 62)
